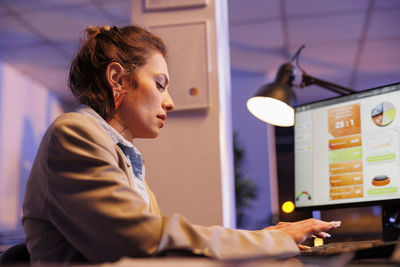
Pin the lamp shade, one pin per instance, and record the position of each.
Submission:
(273, 102)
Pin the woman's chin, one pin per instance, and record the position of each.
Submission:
(151, 135)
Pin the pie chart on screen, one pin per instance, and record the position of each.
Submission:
(383, 114)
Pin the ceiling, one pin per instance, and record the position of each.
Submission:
(351, 43)
(355, 43)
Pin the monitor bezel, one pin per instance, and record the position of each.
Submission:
(352, 204)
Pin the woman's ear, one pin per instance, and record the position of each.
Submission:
(114, 75)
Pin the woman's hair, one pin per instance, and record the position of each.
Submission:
(130, 46)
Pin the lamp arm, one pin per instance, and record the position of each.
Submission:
(308, 80)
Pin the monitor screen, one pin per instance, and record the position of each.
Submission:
(347, 149)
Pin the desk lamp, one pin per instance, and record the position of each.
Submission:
(273, 103)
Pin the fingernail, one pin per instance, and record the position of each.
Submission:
(327, 235)
(335, 223)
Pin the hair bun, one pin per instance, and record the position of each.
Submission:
(93, 31)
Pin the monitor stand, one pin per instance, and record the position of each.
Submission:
(390, 222)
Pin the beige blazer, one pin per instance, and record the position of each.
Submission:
(81, 204)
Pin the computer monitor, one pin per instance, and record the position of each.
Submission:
(347, 151)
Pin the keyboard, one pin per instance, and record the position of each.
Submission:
(362, 249)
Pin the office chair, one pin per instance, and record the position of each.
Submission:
(15, 254)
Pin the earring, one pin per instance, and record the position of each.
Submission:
(119, 95)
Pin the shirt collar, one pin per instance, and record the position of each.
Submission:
(115, 136)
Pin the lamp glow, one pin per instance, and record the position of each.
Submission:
(271, 110)
(288, 207)
(273, 102)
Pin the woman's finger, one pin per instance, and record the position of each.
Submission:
(321, 235)
(302, 247)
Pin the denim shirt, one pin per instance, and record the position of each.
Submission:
(132, 154)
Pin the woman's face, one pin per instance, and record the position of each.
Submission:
(144, 109)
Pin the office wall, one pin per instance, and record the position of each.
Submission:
(26, 109)
(190, 165)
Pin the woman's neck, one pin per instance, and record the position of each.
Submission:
(120, 128)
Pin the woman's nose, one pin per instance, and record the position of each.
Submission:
(168, 103)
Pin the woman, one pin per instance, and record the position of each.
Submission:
(86, 199)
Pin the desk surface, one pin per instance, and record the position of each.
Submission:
(340, 260)
(345, 259)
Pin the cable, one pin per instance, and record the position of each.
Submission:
(296, 57)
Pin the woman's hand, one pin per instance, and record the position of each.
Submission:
(302, 230)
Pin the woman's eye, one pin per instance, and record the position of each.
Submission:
(160, 87)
